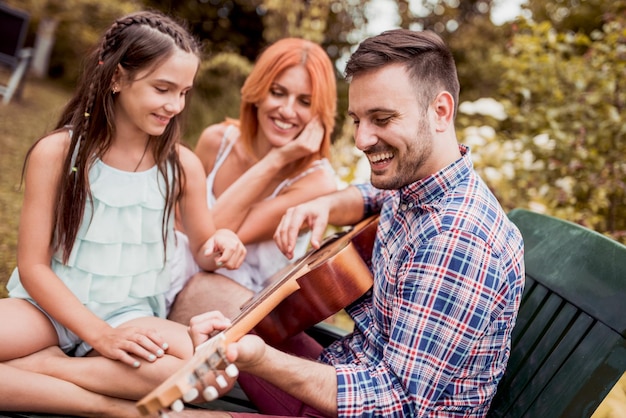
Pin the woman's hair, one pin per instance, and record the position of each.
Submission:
(283, 54)
(428, 60)
(136, 42)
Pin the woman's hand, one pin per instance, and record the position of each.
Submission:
(226, 248)
(305, 144)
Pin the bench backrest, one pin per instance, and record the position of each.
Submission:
(569, 346)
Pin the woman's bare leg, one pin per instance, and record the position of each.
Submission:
(209, 292)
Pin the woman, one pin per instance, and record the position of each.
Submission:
(274, 157)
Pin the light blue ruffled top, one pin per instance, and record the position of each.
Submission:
(118, 258)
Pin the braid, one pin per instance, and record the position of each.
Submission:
(133, 43)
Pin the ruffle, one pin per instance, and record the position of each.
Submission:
(119, 253)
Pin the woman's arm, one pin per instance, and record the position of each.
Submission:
(242, 207)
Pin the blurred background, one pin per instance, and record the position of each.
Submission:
(543, 89)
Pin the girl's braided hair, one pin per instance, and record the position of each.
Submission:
(136, 42)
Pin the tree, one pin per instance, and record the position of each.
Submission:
(72, 27)
(232, 26)
(561, 149)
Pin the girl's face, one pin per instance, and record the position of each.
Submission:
(148, 103)
(286, 109)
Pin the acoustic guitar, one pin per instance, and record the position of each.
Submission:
(305, 292)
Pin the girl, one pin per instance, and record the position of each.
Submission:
(96, 232)
(274, 157)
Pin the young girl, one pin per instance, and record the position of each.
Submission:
(96, 232)
(274, 157)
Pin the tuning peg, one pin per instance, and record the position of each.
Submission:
(210, 393)
(232, 370)
(221, 381)
(191, 395)
(177, 406)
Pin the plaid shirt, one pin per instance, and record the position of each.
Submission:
(433, 337)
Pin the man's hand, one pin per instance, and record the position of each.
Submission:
(203, 326)
(313, 215)
(248, 351)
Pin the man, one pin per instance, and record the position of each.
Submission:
(433, 337)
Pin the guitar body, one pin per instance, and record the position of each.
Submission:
(297, 297)
(339, 274)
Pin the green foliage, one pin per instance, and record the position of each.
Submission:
(561, 149)
(573, 15)
(216, 92)
(21, 124)
(82, 24)
(295, 19)
(223, 25)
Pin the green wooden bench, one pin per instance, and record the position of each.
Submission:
(569, 343)
(13, 29)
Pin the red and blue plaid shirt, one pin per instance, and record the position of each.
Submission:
(432, 339)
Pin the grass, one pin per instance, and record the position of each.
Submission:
(22, 122)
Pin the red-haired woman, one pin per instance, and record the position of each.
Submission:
(274, 157)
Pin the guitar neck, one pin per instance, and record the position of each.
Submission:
(263, 303)
(208, 353)
(322, 268)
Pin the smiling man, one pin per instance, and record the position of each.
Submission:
(432, 339)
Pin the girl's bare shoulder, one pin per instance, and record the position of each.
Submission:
(188, 159)
(52, 148)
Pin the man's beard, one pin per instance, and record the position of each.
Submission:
(408, 166)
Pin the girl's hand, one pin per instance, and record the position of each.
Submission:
(129, 344)
(231, 251)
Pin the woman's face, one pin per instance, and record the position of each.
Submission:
(286, 109)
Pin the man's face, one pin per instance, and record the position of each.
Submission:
(391, 126)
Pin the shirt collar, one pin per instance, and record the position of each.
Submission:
(430, 189)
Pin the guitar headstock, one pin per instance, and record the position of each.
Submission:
(190, 381)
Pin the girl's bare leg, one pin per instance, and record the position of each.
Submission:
(32, 392)
(30, 331)
(113, 378)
